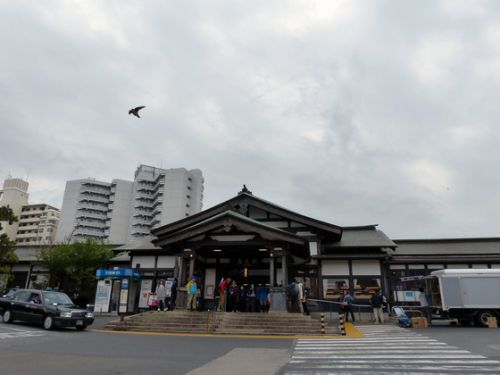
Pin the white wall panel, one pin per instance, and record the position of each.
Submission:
(334, 267)
(146, 261)
(366, 267)
(165, 261)
(313, 248)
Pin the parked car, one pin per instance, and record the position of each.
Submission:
(48, 308)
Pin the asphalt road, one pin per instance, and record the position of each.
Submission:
(31, 350)
(484, 341)
(28, 350)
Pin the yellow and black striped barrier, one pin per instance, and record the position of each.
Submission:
(341, 324)
(322, 319)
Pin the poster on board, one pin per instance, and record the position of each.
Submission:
(146, 285)
(102, 296)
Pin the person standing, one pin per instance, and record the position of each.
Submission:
(234, 293)
(173, 296)
(223, 285)
(346, 300)
(423, 298)
(250, 299)
(300, 296)
(243, 297)
(377, 302)
(263, 300)
(191, 289)
(304, 301)
(161, 295)
(293, 292)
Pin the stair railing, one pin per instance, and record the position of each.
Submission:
(332, 307)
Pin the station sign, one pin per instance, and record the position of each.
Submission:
(117, 273)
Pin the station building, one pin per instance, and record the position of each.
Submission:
(254, 241)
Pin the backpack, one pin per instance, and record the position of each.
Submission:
(192, 288)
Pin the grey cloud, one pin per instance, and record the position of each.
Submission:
(351, 112)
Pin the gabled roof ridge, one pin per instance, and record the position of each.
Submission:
(359, 227)
(185, 222)
(290, 211)
(240, 217)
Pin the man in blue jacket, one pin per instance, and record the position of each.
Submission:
(377, 301)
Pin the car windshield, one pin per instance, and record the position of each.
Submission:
(57, 298)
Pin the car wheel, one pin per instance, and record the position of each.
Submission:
(48, 322)
(7, 316)
(482, 318)
(81, 328)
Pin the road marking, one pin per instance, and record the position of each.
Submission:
(385, 349)
(19, 334)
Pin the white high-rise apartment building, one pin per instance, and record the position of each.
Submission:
(15, 195)
(122, 211)
(37, 224)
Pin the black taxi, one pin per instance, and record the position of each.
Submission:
(48, 308)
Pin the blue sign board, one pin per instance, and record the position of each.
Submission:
(117, 273)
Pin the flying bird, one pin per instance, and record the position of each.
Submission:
(135, 111)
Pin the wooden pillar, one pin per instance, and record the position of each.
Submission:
(284, 268)
(191, 265)
(178, 267)
(271, 271)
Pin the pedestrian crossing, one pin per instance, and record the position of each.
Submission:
(385, 349)
(14, 333)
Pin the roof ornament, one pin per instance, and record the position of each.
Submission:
(245, 190)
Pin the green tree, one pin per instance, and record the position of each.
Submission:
(74, 264)
(7, 255)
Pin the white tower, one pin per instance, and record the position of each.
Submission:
(15, 195)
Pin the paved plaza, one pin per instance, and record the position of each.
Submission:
(384, 349)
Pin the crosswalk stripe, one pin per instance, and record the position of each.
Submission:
(385, 350)
(12, 335)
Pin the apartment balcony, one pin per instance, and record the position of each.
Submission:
(95, 189)
(141, 223)
(143, 196)
(159, 184)
(140, 233)
(24, 219)
(89, 224)
(157, 202)
(26, 235)
(145, 189)
(93, 198)
(29, 227)
(91, 215)
(89, 232)
(142, 206)
(159, 193)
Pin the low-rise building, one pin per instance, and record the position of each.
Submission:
(37, 224)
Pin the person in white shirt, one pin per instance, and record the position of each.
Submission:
(424, 304)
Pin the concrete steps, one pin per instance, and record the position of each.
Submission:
(198, 322)
(271, 324)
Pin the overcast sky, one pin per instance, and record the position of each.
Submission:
(372, 112)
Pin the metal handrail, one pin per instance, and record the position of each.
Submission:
(356, 306)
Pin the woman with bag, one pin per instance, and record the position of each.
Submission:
(346, 300)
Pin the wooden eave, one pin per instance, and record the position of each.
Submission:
(228, 219)
(251, 201)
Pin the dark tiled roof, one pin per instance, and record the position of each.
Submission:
(450, 246)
